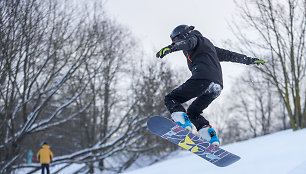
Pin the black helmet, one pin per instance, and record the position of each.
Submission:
(180, 30)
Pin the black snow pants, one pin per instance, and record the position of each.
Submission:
(205, 91)
(43, 167)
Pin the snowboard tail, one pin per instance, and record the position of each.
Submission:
(176, 134)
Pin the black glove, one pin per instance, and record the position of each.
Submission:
(164, 51)
(258, 61)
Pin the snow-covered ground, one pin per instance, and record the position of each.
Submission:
(279, 153)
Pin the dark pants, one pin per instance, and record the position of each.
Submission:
(43, 167)
(205, 91)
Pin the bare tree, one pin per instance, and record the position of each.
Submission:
(154, 81)
(255, 104)
(102, 116)
(280, 26)
(41, 49)
(62, 74)
(107, 69)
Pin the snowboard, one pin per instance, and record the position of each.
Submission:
(176, 134)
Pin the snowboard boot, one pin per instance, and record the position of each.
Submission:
(204, 129)
(181, 119)
(209, 134)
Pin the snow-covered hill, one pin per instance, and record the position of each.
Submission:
(279, 153)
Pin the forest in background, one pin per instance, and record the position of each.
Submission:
(70, 76)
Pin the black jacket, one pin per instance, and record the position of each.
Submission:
(203, 58)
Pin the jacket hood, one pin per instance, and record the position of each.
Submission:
(45, 146)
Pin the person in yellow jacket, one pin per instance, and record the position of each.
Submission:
(45, 156)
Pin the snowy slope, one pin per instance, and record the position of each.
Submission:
(279, 153)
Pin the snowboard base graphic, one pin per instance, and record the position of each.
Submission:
(176, 134)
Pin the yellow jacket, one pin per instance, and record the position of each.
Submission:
(44, 155)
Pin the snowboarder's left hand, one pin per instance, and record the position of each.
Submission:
(259, 61)
(164, 51)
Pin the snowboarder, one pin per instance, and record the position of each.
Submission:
(206, 82)
(45, 156)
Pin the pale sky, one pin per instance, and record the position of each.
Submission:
(151, 22)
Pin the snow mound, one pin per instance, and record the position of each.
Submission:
(282, 153)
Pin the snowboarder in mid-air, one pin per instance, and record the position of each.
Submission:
(206, 82)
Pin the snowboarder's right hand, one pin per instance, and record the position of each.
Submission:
(164, 52)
